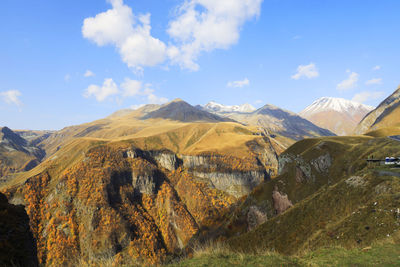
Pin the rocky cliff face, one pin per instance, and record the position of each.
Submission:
(17, 247)
(223, 173)
(121, 203)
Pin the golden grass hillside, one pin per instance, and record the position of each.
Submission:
(386, 115)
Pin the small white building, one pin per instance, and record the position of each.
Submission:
(392, 161)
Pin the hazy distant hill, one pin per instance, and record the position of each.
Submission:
(276, 121)
(338, 115)
(386, 115)
(16, 153)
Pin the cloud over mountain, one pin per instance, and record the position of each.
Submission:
(309, 71)
(129, 88)
(350, 82)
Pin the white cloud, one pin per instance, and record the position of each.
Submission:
(199, 26)
(376, 67)
(151, 97)
(206, 25)
(236, 84)
(350, 82)
(129, 88)
(129, 33)
(11, 97)
(374, 81)
(309, 71)
(109, 88)
(89, 73)
(367, 96)
(257, 102)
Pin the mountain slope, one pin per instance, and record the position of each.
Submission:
(326, 195)
(114, 199)
(386, 115)
(126, 187)
(338, 115)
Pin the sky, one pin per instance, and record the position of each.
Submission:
(67, 62)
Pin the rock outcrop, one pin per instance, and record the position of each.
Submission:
(255, 217)
(281, 201)
(231, 175)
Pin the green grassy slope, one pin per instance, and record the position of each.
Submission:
(349, 203)
(379, 255)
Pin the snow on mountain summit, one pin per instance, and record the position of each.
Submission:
(216, 107)
(335, 104)
(338, 115)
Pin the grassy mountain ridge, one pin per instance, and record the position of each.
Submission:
(384, 116)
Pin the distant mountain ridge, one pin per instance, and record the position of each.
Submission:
(216, 107)
(338, 115)
(273, 119)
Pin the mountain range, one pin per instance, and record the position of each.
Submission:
(271, 119)
(148, 185)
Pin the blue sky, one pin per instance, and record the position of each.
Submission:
(282, 52)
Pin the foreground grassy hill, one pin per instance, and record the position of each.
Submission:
(377, 255)
(326, 195)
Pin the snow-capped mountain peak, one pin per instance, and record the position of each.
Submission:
(216, 107)
(335, 104)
